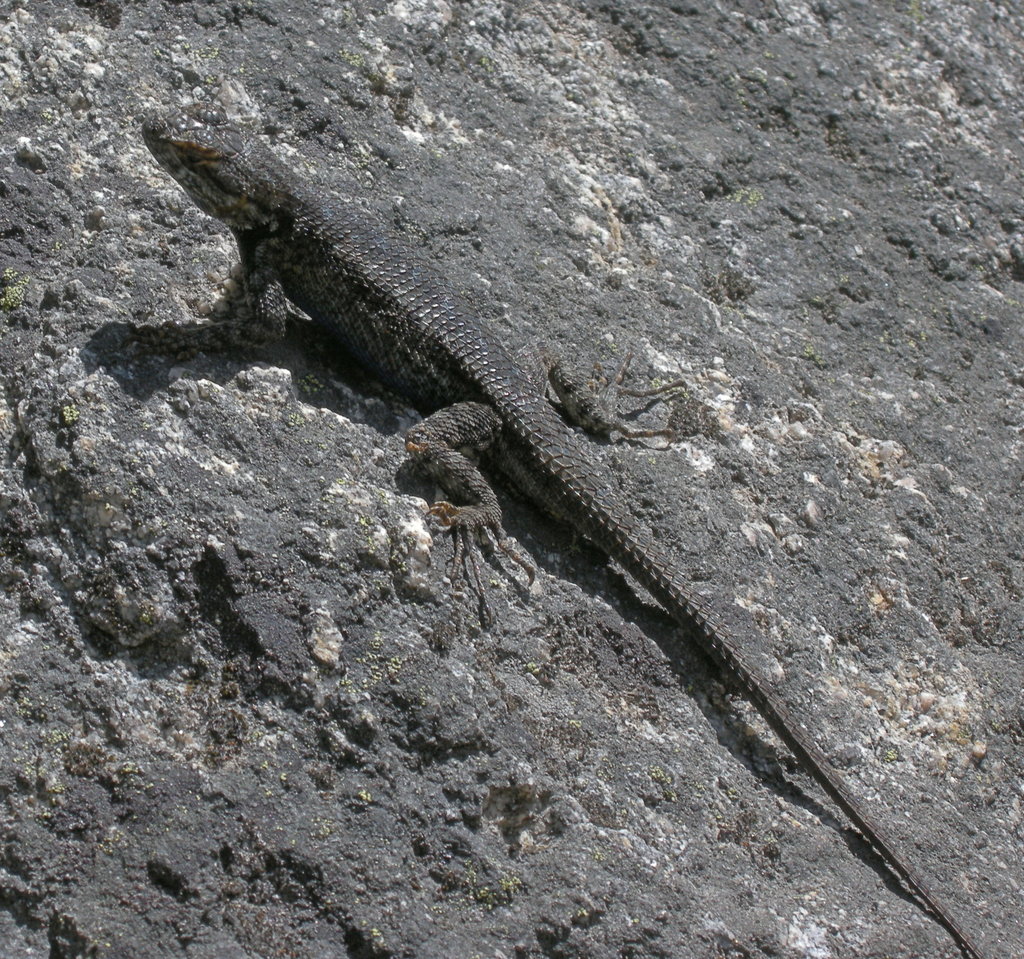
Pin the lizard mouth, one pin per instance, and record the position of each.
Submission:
(199, 132)
(197, 152)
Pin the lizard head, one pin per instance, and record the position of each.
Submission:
(220, 167)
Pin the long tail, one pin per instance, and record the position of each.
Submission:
(622, 538)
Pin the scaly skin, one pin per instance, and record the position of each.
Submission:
(406, 326)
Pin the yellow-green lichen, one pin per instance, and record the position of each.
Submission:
(748, 196)
(12, 289)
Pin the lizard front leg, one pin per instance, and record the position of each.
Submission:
(268, 309)
(436, 446)
(263, 291)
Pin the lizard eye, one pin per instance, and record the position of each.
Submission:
(204, 135)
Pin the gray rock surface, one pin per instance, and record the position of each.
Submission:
(225, 728)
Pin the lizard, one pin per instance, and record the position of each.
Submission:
(405, 325)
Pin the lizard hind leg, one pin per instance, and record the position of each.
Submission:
(437, 447)
(589, 401)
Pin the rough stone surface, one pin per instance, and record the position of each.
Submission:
(225, 727)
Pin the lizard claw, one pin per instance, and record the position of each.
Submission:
(465, 525)
(511, 549)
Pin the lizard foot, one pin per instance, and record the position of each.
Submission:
(467, 525)
(590, 401)
(688, 416)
